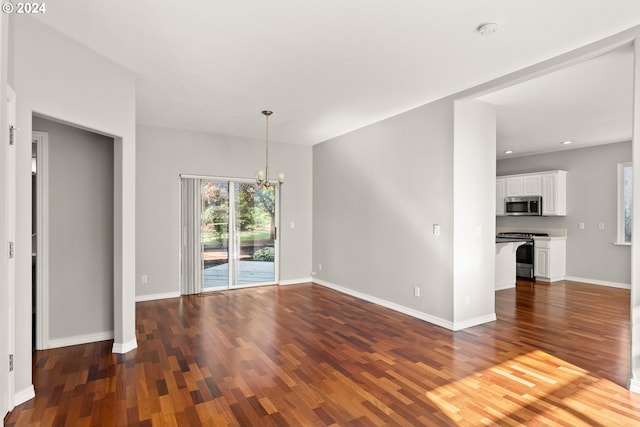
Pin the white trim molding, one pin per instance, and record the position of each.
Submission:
(122, 348)
(634, 385)
(457, 326)
(391, 305)
(153, 297)
(8, 394)
(295, 281)
(41, 139)
(24, 395)
(598, 282)
(80, 339)
(410, 311)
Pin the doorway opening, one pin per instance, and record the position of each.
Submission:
(72, 235)
(577, 117)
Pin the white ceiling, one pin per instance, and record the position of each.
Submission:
(327, 67)
(589, 104)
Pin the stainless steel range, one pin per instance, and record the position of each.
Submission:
(524, 253)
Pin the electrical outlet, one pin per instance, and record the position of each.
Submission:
(581, 226)
(293, 224)
(436, 229)
(416, 291)
(320, 267)
(144, 279)
(601, 226)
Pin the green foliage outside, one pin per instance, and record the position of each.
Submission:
(255, 210)
(215, 213)
(628, 208)
(245, 236)
(267, 254)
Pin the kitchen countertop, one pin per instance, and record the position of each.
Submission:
(548, 238)
(507, 240)
(554, 233)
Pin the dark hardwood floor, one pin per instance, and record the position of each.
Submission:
(306, 355)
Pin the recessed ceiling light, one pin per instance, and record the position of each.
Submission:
(566, 142)
(508, 152)
(487, 28)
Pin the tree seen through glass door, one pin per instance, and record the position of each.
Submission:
(215, 233)
(238, 237)
(255, 233)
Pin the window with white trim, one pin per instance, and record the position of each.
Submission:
(625, 207)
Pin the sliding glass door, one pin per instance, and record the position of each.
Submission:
(237, 235)
(254, 225)
(214, 234)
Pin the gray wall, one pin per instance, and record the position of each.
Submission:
(592, 199)
(80, 168)
(376, 193)
(164, 154)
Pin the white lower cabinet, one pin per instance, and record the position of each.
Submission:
(550, 259)
(541, 263)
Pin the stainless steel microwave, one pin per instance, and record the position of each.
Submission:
(523, 205)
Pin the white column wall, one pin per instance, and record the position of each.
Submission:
(634, 380)
(4, 285)
(474, 172)
(58, 78)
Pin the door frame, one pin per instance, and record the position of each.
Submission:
(276, 276)
(41, 139)
(10, 228)
(4, 275)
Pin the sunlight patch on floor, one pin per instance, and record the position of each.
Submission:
(532, 388)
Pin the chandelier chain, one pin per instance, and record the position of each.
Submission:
(266, 153)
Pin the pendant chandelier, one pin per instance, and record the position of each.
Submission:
(262, 175)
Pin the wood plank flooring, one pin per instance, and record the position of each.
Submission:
(306, 355)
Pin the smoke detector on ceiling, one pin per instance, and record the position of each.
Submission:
(487, 28)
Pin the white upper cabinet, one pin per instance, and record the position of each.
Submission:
(551, 185)
(522, 185)
(554, 193)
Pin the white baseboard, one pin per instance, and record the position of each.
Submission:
(503, 287)
(409, 311)
(80, 339)
(550, 279)
(153, 297)
(24, 395)
(599, 282)
(122, 348)
(634, 385)
(295, 281)
(388, 304)
(458, 326)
